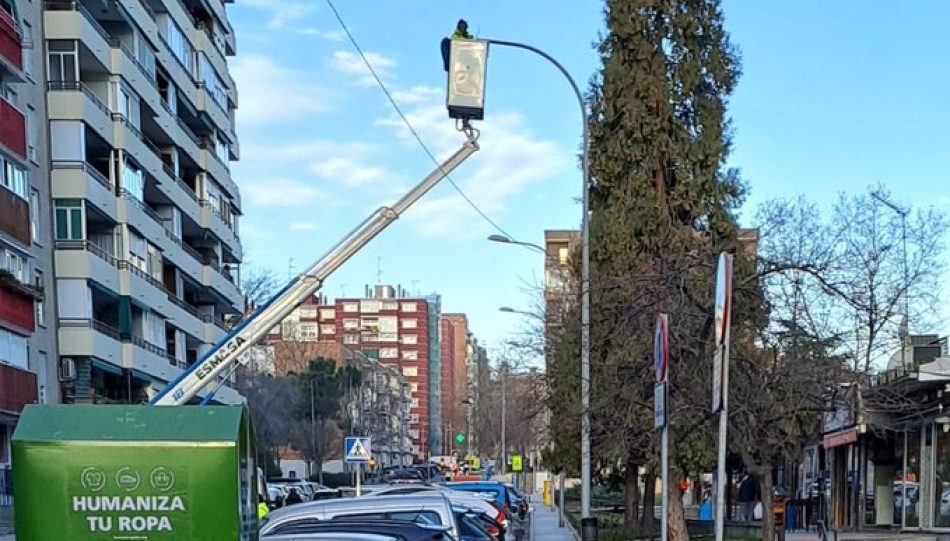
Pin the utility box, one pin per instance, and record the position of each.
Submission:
(148, 473)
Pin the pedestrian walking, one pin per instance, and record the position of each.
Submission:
(706, 508)
(747, 496)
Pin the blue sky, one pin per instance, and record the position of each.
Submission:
(835, 96)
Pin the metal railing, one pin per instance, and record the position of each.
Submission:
(79, 86)
(184, 305)
(67, 5)
(119, 117)
(175, 361)
(141, 204)
(87, 168)
(99, 326)
(87, 246)
(216, 320)
(192, 252)
(142, 343)
(116, 43)
(131, 267)
(188, 131)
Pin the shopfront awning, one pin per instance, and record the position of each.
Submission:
(839, 438)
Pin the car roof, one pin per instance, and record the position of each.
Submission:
(389, 503)
(332, 536)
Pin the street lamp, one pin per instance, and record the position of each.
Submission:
(466, 98)
(905, 327)
(508, 240)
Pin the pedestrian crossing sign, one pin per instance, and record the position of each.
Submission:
(356, 450)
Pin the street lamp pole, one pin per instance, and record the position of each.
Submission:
(905, 327)
(588, 523)
(504, 423)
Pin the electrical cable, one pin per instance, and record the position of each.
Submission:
(408, 124)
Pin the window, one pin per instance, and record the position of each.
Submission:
(351, 339)
(562, 255)
(41, 374)
(410, 339)
(212, 81)
(414, 403)
(27, 47)
(351, 307)
(35, 217)
(13, 178)
(408, 307)
(410, 371)
(133, 181)
(389, 305)
(369, 306)
(13, 349)
(410, 355)
(308, 313)
(180, 47)
(39, 304)
(61, 62)
(388, 353)
(414, 418)
(15, 264)
(31, 132)
(414, 387)
(409, 323)
(327, 313)
(69, 219)
(138, 249)
(307, 332)
(351, 324)
(327, 329)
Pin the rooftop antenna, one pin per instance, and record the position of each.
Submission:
(379, 269)
(342, 290)
(415, 288)
(290, 269)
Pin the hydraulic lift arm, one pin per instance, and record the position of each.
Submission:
(224, 355)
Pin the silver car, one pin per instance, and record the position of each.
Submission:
(428, 508)
(332, 537)
(471, 500)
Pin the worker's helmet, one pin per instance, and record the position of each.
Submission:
(462, 25)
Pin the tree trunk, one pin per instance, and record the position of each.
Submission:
(648, 517)
(677, 516)
(631, 494)
(768, 519)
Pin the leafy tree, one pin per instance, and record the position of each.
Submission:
(662, 208)
(316, 407)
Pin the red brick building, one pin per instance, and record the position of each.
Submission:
(384, 325)
(454, 376)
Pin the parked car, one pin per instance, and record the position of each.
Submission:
(434, 509)
(498, 491)
(404, 474)
(482, 502)
(470, 529)
(334, 536)
(399, 530)
(518, 500)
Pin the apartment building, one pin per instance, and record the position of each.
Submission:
(389, 326)
(140, 120)
(456, 343)
(27, 327)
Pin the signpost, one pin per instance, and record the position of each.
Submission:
(661, 361)
(720, 398)
(357, 450)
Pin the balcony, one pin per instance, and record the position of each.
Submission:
(222, 282)
(17, 389)
(70, 20)
(90, 338)
(80, 180)
(82, 259)
(12, 129)
(16, 303)
(142, 287)
(15, 216)
(11, 46)
(73, 100)
(211, 219)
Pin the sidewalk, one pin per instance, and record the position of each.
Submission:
(544, 524)
(847, 536)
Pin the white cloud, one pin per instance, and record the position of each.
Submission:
(348, 170)
(282, 11)
(299, 227)
(510, 162)
(271, 93)
(283, 193)
(329, 35)
(351, 164)
(351, 65)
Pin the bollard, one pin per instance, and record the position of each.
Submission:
(589, 529)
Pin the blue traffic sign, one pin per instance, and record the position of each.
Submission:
(356, 450)
(661, 347)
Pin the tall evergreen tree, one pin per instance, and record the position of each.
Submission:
(662, 203)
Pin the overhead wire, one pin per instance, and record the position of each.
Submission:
(409, 126)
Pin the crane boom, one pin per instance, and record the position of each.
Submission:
(223, 355)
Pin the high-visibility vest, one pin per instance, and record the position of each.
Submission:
(262, 510)
(458, 34)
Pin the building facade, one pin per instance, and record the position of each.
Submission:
(27, 325)
(140, 124)
(455, 348)
(385, 325)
